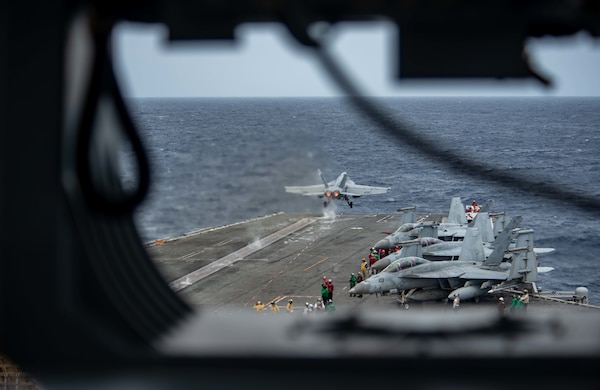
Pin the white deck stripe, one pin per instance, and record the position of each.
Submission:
(193, 277)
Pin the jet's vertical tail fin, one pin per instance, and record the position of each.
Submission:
(525, 238)
(411, 248)
(524, 262)
(484, 224)
(526, 265)
(518, 263)
(428, 229)
(531, 267)
(499, 220)
(472, 247)
(409, 215)
(323, 178)
(502, 242)
(341, 180)
(457, 212)
(506, 234)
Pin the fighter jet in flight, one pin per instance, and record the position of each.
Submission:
(471, 276)
(342, 188)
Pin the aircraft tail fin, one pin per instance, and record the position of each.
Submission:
(341, 181)
(457, 212)
(323, 178)
(499, 220)
(411, 248)
(506, 235)
(484, 224)
(472, 247)
(524, 262)
(525, 238)
(428, 229)
(409, 215)
(502, 242)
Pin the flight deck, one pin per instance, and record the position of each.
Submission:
(284, 256)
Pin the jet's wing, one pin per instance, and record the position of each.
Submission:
(359, 190)
(543, 270)
(451, 252)
(543, 251)
(451, 272)
(484, 274)
(448, 252)
(462, 272)
(314, 190)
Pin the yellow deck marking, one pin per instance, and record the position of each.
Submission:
(317, 263)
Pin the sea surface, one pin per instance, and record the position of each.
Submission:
(220, 161)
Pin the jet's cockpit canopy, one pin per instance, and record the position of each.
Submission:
(404, 263)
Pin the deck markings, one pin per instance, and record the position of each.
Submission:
(224, 242)
(192, 254)
(195, 276)
(289, 264)
(315, 264)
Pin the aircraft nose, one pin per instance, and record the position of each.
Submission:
(381, 264)
(361, 288)
(383, 244)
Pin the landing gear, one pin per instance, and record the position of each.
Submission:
(348, 201)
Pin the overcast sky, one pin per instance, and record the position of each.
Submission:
(263, 61)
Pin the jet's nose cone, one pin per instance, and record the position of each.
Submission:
(381, 264)
(361, 288)
(383, 244)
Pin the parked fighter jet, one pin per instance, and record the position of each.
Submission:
(341, 188)
(409, 229)
(453, 229)
(467, 277)
(450, 250)
(409, 248)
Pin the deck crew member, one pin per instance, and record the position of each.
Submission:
(329, 289)
(259, 307)
(456, 302)
(324, 292)
(501, 306)
(525, 299)
(352, 282)
(364, 268)
(290, 306)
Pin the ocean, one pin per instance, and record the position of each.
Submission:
(217, 161)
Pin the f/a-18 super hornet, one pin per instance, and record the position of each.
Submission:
(450, 250)
(342, 188)
(440, 250)
(471, 276)
(451, 230)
